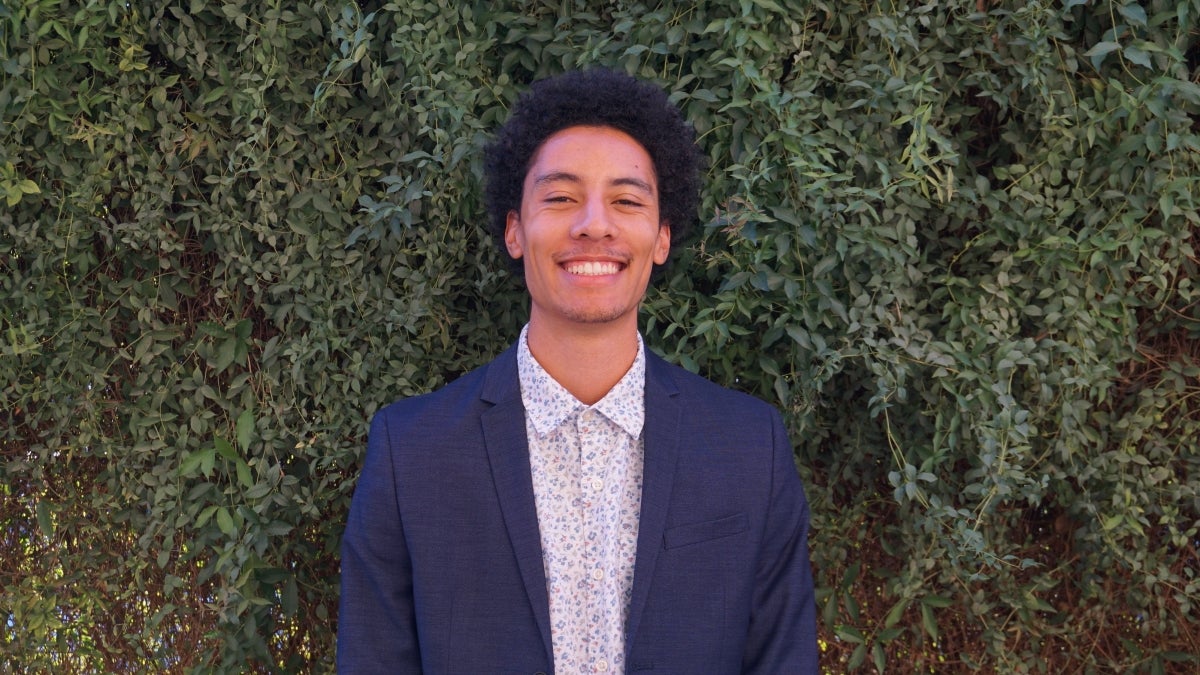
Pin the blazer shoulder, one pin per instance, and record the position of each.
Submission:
(476, 390)
(702, 393)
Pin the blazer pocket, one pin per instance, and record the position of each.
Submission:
(694, 533)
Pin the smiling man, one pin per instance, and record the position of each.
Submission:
(578, 505)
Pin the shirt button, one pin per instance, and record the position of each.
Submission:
(597, 574)
(597, 484)
(602, 666)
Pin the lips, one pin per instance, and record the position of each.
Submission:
(592, 268)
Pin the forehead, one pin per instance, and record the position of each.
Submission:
(594, 151)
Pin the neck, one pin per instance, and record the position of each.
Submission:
(586, 360)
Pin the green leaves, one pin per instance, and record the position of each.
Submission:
(15, 187)
(245, 429)
(44, 520)
(231, 344)
(1133, 39)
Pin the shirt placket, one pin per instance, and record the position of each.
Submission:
(594, 485)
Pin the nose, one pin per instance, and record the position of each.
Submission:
(593, 221)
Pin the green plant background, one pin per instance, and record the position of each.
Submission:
(955, 242)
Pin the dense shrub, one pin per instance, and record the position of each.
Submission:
(955, 242)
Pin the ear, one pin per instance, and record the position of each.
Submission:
(662, 246)
(512, 235)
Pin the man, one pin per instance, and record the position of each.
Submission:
(578, 505)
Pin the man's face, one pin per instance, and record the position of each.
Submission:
(588, 230)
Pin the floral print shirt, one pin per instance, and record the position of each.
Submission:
(586, 464)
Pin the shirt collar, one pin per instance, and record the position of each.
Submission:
(548, 403)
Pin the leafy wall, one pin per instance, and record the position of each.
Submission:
(955, 242)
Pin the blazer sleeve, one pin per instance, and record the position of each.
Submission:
(377, 630)
(782, 637)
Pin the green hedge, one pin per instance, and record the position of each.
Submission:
(955, 242)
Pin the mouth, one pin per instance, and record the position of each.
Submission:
(592, 268)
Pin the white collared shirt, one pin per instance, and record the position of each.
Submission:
(586, 464)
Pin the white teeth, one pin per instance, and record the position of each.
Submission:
(593, 269)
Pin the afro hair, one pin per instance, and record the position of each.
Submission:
(604, 98)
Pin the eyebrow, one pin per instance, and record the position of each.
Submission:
(557, 176)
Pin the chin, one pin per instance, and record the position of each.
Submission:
(596, 315)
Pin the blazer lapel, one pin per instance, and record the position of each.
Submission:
(508, 452)
(661, 448)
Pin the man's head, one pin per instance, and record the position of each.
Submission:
(596, 98)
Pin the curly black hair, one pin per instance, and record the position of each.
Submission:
(605, 98)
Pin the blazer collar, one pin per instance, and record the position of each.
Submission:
(662, 431)
(508, 453)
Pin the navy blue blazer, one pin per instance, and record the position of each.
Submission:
(442, 563)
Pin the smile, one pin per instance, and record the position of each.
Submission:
(592, 268)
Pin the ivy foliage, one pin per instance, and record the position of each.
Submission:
(955, 242)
